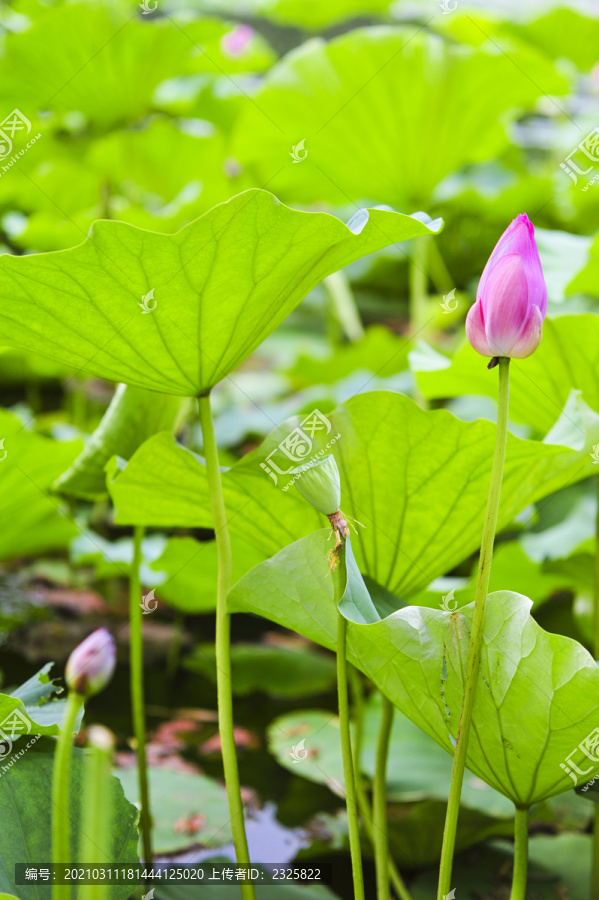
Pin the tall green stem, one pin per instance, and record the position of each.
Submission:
(61, 852)
(418, 284)
(223, 641)
(595, 867)
(348, 766)
(520, 855)
(478, 621)
(379, 803)
(96, 809)
(344, 306)
(136, 674)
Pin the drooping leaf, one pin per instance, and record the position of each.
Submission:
(566, 359)
(33, 520)
(26, 804)
(417, 657)
(416, 480)
(133, 416)
(216, 289)
(363, 137)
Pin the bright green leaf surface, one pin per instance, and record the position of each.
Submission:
(537, 695)
(133, 416)
(417, 481)
(386, 113)
(25, 799)
(221, 285)
(32, 518)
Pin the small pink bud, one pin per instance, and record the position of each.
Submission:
(511, 300)
(235, 43)
(91, 664)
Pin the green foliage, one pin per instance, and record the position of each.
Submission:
(556, 675)
(29, 465)
(26, 814)
(207, 318)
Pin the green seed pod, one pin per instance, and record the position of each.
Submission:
(319, 483)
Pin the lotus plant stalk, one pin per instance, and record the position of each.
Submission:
(136, 674)
(505, 322)
(89, 669)
(223, 641)
(320, 484)
(520, 855)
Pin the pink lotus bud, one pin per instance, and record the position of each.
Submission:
(236, 42)
(511, 300)
(91, 664)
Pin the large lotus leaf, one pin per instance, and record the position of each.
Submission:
(416, 480)
(132, 416)
(186, 571)
(26, 803)
(32, 708)
(32, 519)
(221, 285)
(188, 808)
(290, 672)
(537, 696)
(567, 358)
(385, 113)
(417, 768)
(159, 177)
(106, 64)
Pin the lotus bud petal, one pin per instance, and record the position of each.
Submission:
(90, 666)
(511, 300)
(319, 483)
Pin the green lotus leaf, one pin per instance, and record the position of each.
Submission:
(132, 416)
(105, 63)
(566, 359)
(26, 803)
(363, 136)
(213, 291)
(537, 696)
(416, 480)
(33, 520)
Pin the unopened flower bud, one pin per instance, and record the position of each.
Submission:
(511, 300)
(320, 484)
(91, 664)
